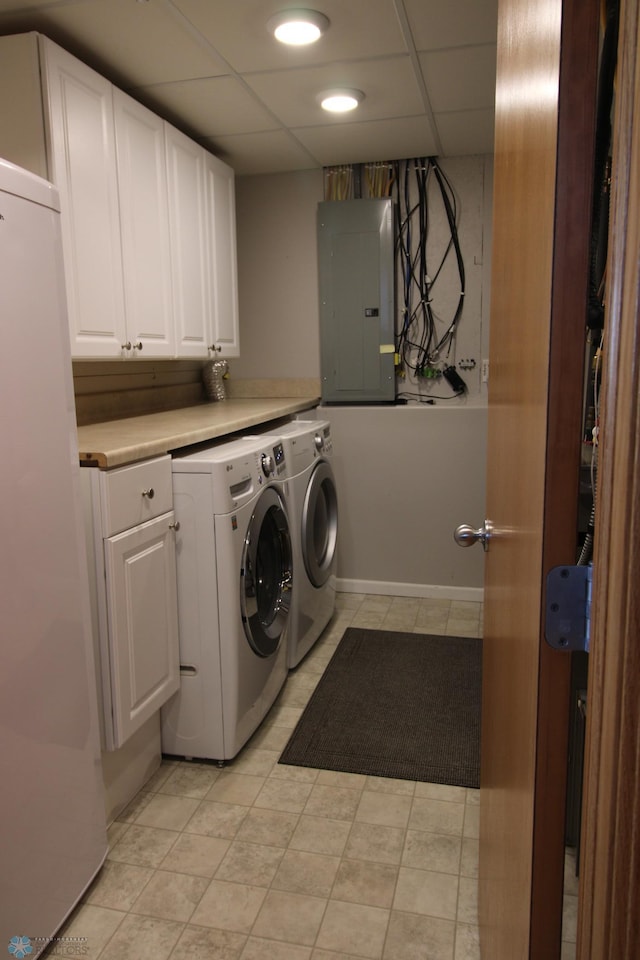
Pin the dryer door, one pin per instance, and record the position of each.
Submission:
(319, 528)
(265, 576)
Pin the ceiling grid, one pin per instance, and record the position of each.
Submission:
(212, 68)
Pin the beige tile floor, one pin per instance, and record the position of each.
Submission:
(261, 861)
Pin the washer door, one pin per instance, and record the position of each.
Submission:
(320, 524)
(265, 575)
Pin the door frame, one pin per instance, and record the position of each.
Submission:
(609, 893)
(572, 244)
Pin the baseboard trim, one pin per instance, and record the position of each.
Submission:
(430, 591)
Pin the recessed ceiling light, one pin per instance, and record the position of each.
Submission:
(340, 101)
(298, 27)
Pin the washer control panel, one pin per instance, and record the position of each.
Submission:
(268, 466)
(273, 463)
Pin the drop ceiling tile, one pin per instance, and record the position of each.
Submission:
(389, 86)
(132, 43)
(209, 107)
(463, 79)
(466, 133)
(358, 29)
(393, 139)
(436, 24)
(155, 50)
(269, 152)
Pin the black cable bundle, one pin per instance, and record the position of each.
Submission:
(601, 179)
(418, 344)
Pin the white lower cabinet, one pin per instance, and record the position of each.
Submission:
(143, 634)
(131, 540)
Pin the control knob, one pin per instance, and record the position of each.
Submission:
(268, 466)
(319, 441)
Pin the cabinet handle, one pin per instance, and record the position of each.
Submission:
(132, 346)
(215, 347)
(150, 493)
(127, 345)
(175, 525)
(138, 345)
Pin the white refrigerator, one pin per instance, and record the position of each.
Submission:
(52, 815)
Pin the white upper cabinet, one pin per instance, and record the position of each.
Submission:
(203, 249)
(82, 164)
(221, 210)
(144, 223)
(147, 215)
(189, 251)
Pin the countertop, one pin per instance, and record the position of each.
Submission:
(115, 443)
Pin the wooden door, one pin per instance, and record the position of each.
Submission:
(608, 916)
(545, 97)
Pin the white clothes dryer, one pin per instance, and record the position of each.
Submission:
(234, 569)
(313, 512)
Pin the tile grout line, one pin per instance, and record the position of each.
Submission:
(345, 617)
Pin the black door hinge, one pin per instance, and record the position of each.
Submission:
(568, 608)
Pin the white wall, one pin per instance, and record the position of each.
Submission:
(390, 540)
(278, 276)
(406, 477)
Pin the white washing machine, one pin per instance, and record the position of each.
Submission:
(313, 513)
(234, 570)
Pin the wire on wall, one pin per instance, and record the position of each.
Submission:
(428, 322)
(597, 292)
(339, 182)
(345, 182)
(425, 341)
(380, 178)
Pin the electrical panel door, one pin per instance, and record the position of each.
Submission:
(356, 277)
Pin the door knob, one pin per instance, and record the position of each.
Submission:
(465, 535)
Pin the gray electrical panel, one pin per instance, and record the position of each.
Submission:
(356, 276)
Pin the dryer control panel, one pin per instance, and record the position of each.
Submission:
(322, 440)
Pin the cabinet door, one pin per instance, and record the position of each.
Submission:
(188, 234)
(144, 221)
(221, 210)
(82, 161)
(143, 622)
(21, 118)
